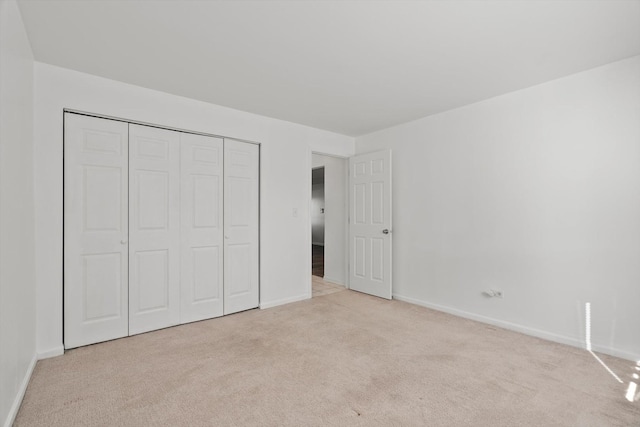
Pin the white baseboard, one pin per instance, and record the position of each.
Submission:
(53, 352)
(550, 336)
(13, 412)
(283, 301)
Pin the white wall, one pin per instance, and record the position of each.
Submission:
(335, 217)
(535, 193)
(17, 259)
(285, 179)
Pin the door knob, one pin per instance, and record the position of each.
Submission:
(385, 231)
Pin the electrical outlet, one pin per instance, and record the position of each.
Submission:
(492, 293)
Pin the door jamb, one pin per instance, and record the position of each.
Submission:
(310, 154)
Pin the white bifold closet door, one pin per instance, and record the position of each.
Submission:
(154, 228)
(95, 230)
(241, 212)
(161, 228)
(202, 227)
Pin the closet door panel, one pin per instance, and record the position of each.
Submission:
(95, 230)
(241, 210)
(154, 221)
(201, 231)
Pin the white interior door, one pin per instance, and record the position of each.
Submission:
(202, 227)
(95, 230)
(154, 228)
(370, 223)
(241, 210)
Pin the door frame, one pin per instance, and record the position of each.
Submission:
(310, 153)
(323, 187)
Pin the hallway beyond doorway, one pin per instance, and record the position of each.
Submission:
(322, 287)
(317, 260)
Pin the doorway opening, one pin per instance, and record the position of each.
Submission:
(328, 224)
(317, 222)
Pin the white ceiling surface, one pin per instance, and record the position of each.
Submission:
(351, 67)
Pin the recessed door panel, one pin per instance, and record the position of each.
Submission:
(238, 158)
(239, 273)
(241, 169)
(153, 148)
(152, 278)
(377, 259)
(359, 263)
(102, 283)
(102, 198)
(209, 155)
(102, 141)
(359, 201)
(206, 200)
(152, 199)
(95, 230)
(206, 274)
(377, 203)
(154, 221)
(239, 196)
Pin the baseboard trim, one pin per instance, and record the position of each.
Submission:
(549, 336)
(53, 352)
(283, 301)
(13, 412)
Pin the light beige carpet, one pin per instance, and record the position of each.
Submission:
(338, 360)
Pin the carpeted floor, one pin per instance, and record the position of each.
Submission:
(340, 359)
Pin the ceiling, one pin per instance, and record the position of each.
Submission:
(352, 67)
